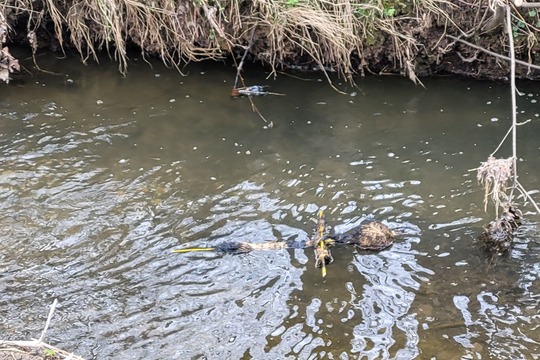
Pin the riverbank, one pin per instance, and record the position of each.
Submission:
(409, 38)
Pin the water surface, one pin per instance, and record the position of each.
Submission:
(102, 176)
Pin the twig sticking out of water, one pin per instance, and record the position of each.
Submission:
(210, 15)
(10, 347)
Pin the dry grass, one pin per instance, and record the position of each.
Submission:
(344, 36)
(327, 34)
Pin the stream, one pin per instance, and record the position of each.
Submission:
(102, 176)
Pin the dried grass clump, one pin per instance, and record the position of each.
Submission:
(494, 174)
(323, 33)
(346, 36)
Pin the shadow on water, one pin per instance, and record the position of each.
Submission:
(102, 176)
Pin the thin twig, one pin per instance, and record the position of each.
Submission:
(526, 194)
(513, 90)
(527, 5)
(239, 67)
(519, 62)
(502, 141)
(48, 322)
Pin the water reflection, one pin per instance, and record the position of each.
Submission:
(100, 179)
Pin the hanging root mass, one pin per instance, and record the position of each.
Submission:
(495, 175)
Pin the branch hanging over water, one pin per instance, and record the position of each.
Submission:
(523, 63)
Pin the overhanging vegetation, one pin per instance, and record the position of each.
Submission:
(407, 37)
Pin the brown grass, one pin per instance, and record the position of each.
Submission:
(347, 37)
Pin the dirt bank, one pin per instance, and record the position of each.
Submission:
(408, 37)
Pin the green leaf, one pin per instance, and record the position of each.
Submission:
(49, 352)
(389, 12)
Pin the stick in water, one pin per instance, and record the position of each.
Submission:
(320, 233)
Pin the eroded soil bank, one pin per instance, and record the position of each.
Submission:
(407, 37)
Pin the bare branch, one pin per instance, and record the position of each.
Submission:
(519, 62)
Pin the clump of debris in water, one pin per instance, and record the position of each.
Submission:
(495, 174)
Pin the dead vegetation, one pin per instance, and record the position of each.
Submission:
(406, 37)
(495, 175)
(8, 63)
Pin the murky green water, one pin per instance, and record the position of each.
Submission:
(102, 176)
